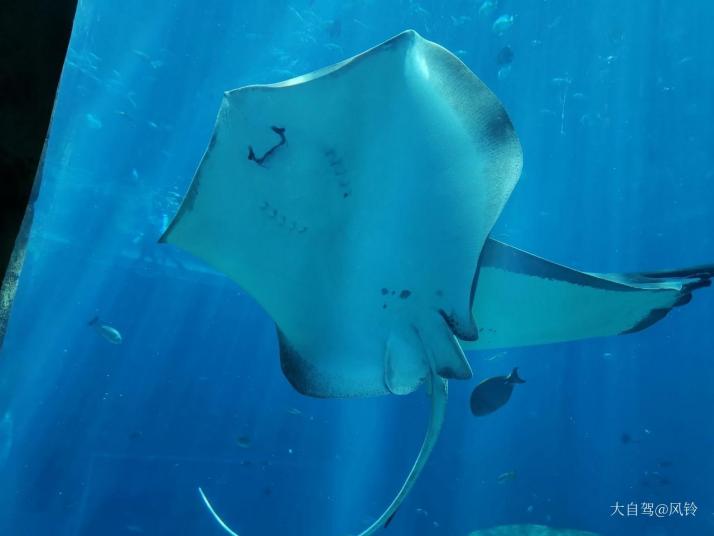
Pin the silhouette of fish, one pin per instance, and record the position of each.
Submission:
(493, 393)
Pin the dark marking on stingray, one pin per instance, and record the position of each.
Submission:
(702, 283)
(457, 329)
(498, 255)
(404, 294)
(684, 299)
(449, 373)
(499, 127)
(301, 374)
(439, 293)
(259, 160)
(346, 195)
(282, 220)
(655, 316)
(384, 291)
(394, 292)
(699, 272)
(389, 520)
(384, 306)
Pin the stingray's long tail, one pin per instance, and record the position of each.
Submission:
(439, 396)
(215, 515)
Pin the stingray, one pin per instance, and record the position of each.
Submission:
(355, 204)
(530, 530)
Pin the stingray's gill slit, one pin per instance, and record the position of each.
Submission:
(438, 393)
(280, 131)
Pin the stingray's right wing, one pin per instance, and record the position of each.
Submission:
(522, 300)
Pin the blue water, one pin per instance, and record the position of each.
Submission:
(612, 102)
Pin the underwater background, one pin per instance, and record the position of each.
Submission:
(613, 105)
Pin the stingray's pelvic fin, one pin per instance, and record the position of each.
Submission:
(439, 395)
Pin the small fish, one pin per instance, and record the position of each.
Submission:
(143, 55)
(458, 21)
(334, 28)
(333, 47)
(654, 479)
(505, 56)
(626, 439)
(555, 22)
(94, 121)
(493, 393)
(508, 476)
(497, 355)
(294, 411)
(108, 332)
(502, 24)
(503, 72)
(561, 81)
(422, 512)
(487, 7)
(244, 442)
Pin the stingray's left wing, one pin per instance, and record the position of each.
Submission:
(522, 299)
